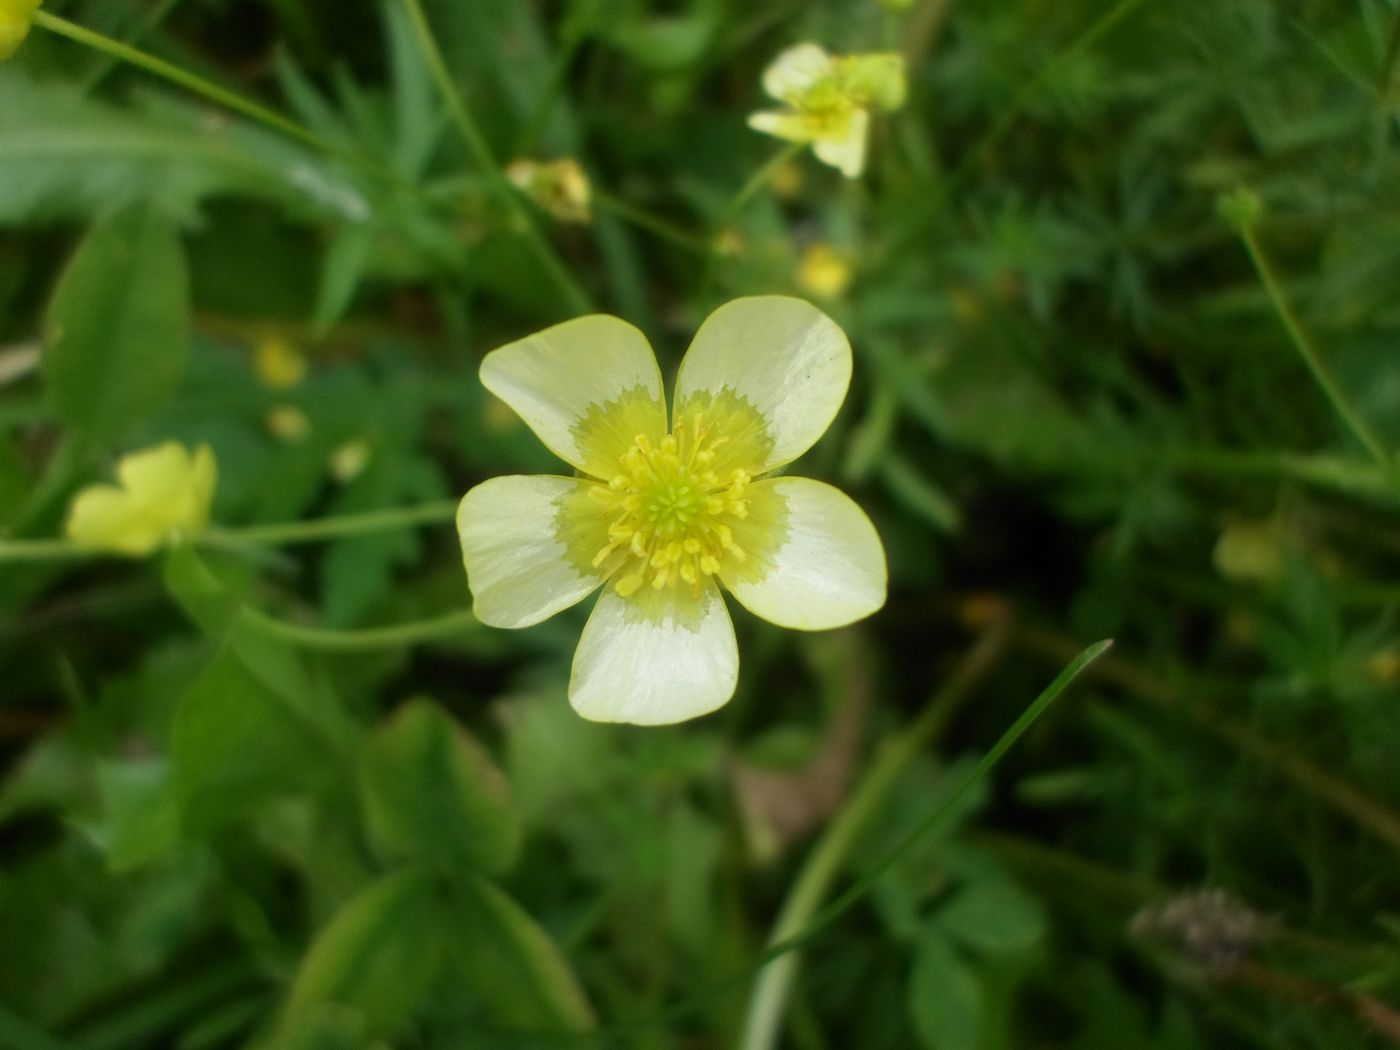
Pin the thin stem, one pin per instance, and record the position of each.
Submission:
(43, 550)
(392, 637)
(332, 528)
(153, 19)
(1353, 419)
(192, 82)
(769, 998)
(624, 209)
(758, 180)
(486, 159)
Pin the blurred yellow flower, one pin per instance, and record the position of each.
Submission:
(829, 99)
(1250, 550)
(163, 496)
(277, 362)
(349, 460)
(16, 16)
(824, 272)
(288, 423)
(660, 516)
(558, 186)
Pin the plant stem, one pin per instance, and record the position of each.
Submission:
(392, 637)
(331, 528)
(770, 993)
(476, 143)
(624, 209)
(1353, 419)
(193, 82)
(43, 550)
(757, 181)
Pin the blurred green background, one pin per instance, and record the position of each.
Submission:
(1121, 284)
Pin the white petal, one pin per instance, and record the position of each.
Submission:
(789, 360)
(813, 559)
(586, 387)
(519, 566)
(846, 152)
(784, 125)
(655, 658)
(795, 70)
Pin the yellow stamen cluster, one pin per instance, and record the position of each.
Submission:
(668, 507)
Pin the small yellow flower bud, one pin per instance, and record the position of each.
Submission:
(823, 272)
(348, 461)
(559, 187)
(288, 423)
(1250, 550)
(16, 16)
(278, 364)
(164, 495)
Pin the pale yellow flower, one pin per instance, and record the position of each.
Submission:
(660, 516)
(829, 98)
(16, 16)
(349, 460)
(1250, 550)
(558, 186)
(163, 496)
(288, 423)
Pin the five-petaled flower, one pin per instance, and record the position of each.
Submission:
(16, 16)
(829, 99)
(164, 495)
(663, 515)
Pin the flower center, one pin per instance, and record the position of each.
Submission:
(669, 509)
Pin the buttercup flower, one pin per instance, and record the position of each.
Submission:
(16, 16)
(829, 99)
(660, 517)
(824, 272)
(165, 493)
(558, 186)
(277, 363)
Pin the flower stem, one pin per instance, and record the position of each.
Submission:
(1316, 365)
(192, 82)
(42, 550)
(332, 528)
(769, 998)
(758, 180)
(366, 639)
(646, 220)
(480, 149)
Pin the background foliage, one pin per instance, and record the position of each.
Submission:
(229, 817)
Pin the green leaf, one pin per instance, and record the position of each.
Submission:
(432, 794)
(517, 972)
(945, 997)
(140, 819)
(377, 958)
(341, 273)
(118, 327)
(996, 917)
(237, 746)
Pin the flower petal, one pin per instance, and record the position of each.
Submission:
(586, 387)
(845, 150)
(794, 127)
(786, 359)
(521, 564)
(795, 70)
(655, 658)
(812, 561)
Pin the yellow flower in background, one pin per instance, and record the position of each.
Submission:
(660, 516)
(288, 423)
(164, 495)
(16, 16)
(349, 460)
(824, 272)
(277, 363)
(829, 99)
(558, 186)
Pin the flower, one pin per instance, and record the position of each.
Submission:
(824, 272)
(558, 186)
(164, 495)
(16, 16)
(829, 99)
(660, 518)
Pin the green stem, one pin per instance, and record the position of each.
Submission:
(332, 528)
(769, 998)
(757, 181)
(480, 149)
(43, 550)
(150, 22)
(392, 637)
(1353, 419)
(646, 220)
(191, 82)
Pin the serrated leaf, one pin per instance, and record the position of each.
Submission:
(432, 794)
(517, 972)
(118, 327)
(376, 959)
